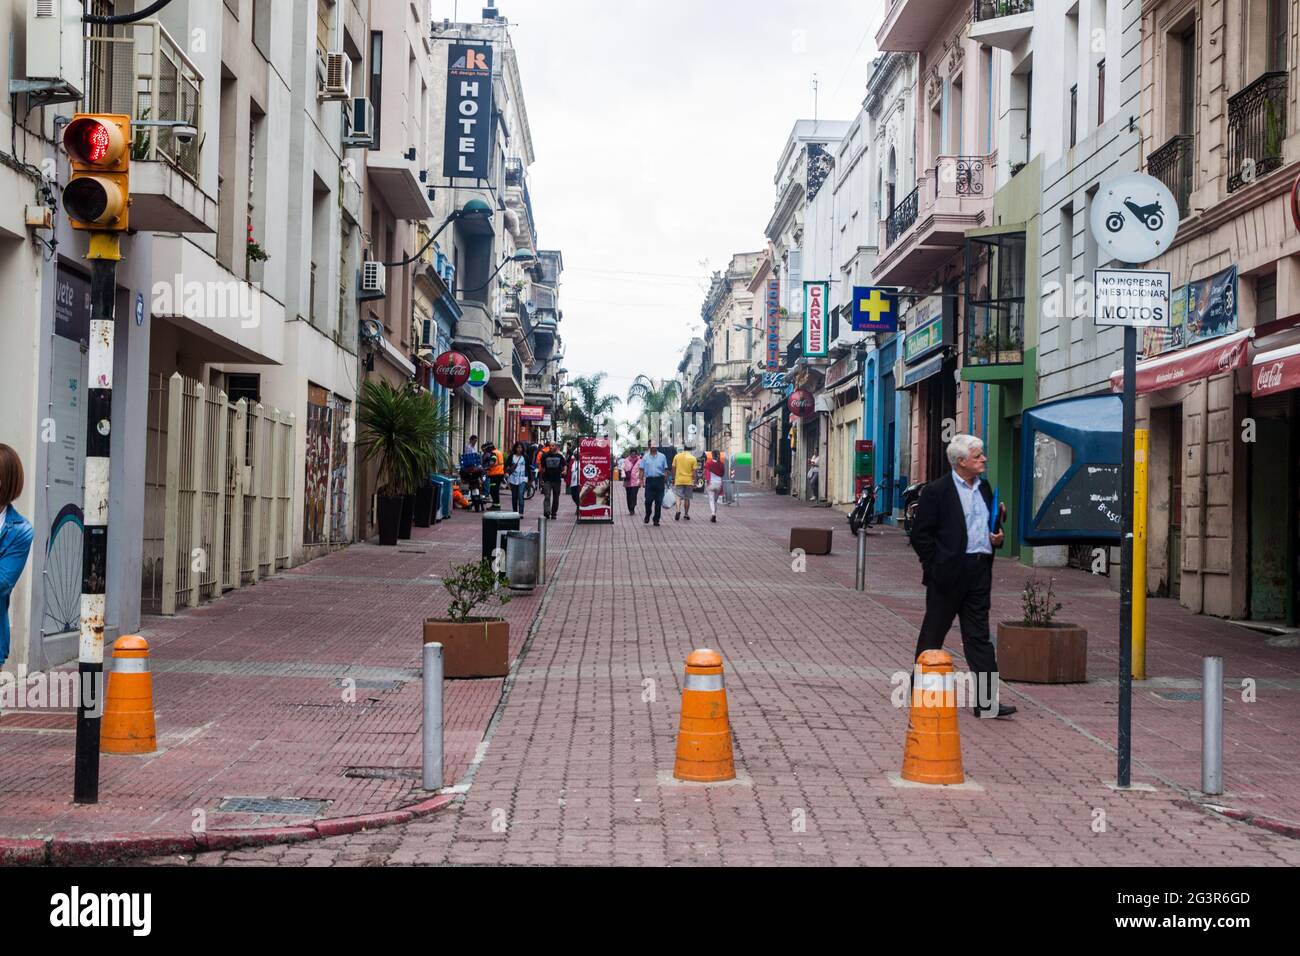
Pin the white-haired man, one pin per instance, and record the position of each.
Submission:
(954, 538)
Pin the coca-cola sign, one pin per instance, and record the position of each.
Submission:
(451, 370)
(800, 403)
(1276, 374)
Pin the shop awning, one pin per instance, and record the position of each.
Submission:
(915, 374)
(1188, 365)
(1277, 370)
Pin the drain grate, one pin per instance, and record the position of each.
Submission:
(1179, 694)
(284, 806)
(384, 773)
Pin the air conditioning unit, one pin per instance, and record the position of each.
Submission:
(360, 123)
(55, 48)
(371, 284)
(337, 83)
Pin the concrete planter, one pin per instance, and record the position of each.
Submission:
(1057, 654)
(478, 647)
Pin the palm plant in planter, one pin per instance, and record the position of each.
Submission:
(397, 432)
(1039, 649)
(472, 646)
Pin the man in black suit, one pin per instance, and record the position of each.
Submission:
(951, 535)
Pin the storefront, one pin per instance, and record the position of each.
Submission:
(840, 400)
(928, 370)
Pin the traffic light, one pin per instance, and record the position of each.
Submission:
(98, 191)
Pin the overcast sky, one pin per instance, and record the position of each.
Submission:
(657, 127)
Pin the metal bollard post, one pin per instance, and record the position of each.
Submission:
(1212, 725)
(431, 731)
(541, 563)
(861, 580)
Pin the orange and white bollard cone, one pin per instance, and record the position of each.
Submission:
(704, 737)
(128, 724)
(933, 750)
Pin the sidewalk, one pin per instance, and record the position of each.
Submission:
(578, 768)
(250, 701)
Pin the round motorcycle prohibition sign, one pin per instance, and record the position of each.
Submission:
(1134, 218)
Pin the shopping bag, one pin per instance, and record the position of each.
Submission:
(670, 499)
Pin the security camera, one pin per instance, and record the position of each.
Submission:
(185, 134)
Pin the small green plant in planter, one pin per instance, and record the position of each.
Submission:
(472, 646)
(1038, 648)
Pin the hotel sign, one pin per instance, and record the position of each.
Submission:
(467, 137)
(773, 325)
(815, 343)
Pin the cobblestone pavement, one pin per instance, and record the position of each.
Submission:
(577, 768)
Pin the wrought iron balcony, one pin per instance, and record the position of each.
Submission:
(1172, 165)
(1256, 129)
(992, 9)
(961, 176)
(901, 219)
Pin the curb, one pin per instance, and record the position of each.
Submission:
(1280, 827)
(59, 850)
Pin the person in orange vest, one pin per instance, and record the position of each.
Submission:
(496, 470)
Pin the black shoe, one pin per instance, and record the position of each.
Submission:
(687, 517)
(713, 519)
(677, 516)
(647, 520)
(1004, 710)
(656, 524)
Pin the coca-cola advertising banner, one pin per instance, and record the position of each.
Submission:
(1276, 371)
(595, 471)
(800, 403)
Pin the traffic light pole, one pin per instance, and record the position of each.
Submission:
(105, 252)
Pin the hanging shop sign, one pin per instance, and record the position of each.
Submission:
(773, 325)
(874, 310)
(451, 370)
(479, 374)
(801, 403)
(595, 467)
(774, 381)
(815, 343)
(925, 330)
(531, 413)
(467, 139)
(1212, 306)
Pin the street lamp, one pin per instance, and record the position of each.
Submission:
(476, 210)
(520, 255)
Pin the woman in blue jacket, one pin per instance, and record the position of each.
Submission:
(15, 538)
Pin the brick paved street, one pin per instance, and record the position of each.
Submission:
(577, 766)
(250, 702)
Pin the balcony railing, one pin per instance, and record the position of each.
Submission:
(514, 172)
(961, 176)
(901, 219)
(995, 299)
(992, 9)
(1172, 165)
(1256, 129)
(145, 74)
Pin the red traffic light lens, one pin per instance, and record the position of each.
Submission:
(90, 140)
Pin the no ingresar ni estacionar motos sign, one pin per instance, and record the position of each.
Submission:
(1132, 297)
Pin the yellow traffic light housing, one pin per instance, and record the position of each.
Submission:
(98, 193)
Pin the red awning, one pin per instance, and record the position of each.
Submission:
(1277, 370)
(1188, 365)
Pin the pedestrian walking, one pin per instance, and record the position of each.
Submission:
(654, 468)
(575, 479)
(631, 478)
(15, 538)
(518, 473)
(495, 463)
(713, 473)
(814, 477)
(684, 465)
(552, 475)
(954, 537)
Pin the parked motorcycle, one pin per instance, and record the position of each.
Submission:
(471, 486)
(864, 511)
(911, 500)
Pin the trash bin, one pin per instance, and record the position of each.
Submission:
(495, 521)
(523, 557)
(442, 501)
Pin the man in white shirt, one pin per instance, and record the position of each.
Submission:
(955, 538)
